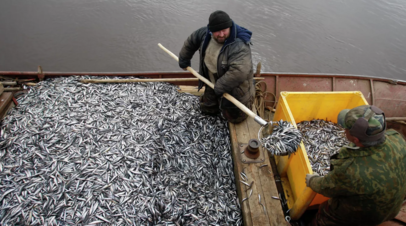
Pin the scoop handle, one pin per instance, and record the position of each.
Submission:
(237, 103)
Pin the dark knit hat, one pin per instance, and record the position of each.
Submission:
(219, 20)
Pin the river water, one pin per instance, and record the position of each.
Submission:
(336, 36)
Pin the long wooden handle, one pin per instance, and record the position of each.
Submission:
(145, 80)
(389, 119)
(138, 80)
(226, 95)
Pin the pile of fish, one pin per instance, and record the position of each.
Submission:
(322, 139)
(114, 154)
(283, 140)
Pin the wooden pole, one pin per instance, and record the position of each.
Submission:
(389, 119)
(226, 95)
(30, 84)
(146, 80)
(9, 83)
(12, 89)
(138, 80)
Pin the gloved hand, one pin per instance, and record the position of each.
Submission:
(309, 176)
(184, 63)
(217, 91)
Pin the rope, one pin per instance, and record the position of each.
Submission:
(261, 98)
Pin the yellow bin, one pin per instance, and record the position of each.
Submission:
(304, 106)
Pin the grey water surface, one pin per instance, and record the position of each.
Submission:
(337, 36)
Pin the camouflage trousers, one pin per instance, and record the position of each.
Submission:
(328, 216)
(323, 217)
(211, 105)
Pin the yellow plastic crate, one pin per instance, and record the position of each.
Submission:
(300, 106)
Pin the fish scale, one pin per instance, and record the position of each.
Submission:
(115, 154)
(322, 139)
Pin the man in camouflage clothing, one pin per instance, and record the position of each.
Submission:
(367, 182)
(225, 60)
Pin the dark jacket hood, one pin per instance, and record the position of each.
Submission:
(243, 34)
(235, 32)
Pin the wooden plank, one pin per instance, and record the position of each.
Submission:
(192, 90)
(267, 182)
(256, 211)
(8, 83)
(402, 213)
(391, 223)
(9, 106)
(388, 119)
(399, 220)
(5, 99)
(264, 183)
(11, 89)
(138, 80)
(238, 168)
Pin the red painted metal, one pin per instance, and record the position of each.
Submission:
(15, 101)
(34, 74)
(277, 87)
(388, 94)
(392, 98)
(305, 84)
(362, 85)
(348, 76)
(371, 82)
(31, 74)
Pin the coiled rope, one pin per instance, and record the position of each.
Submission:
(261, 99)
(284, 138)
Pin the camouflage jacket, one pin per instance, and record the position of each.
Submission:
(366, 185)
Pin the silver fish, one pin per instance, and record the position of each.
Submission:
(114, 154)
(322, 139)
(284, 139)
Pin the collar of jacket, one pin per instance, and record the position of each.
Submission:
(360, 152)
(352, 151)
(229, 40)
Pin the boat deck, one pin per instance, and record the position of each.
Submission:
(260, 208)
(264, 183)
(6, 103)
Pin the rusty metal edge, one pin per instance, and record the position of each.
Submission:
(329, 75)
(34, 74)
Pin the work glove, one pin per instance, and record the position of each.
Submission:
(217, 92)
(310, 176)
(184, 63)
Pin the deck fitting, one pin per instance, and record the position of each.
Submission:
(252, 149)
(251, 152)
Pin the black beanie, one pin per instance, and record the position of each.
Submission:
(219, 20)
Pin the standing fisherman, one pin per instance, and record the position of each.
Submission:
(367, 182)
(225, 60)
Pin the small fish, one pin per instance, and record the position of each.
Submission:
(284, 139)
(249, 186)
(321, 139)
(89, 154)
(259, 201)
